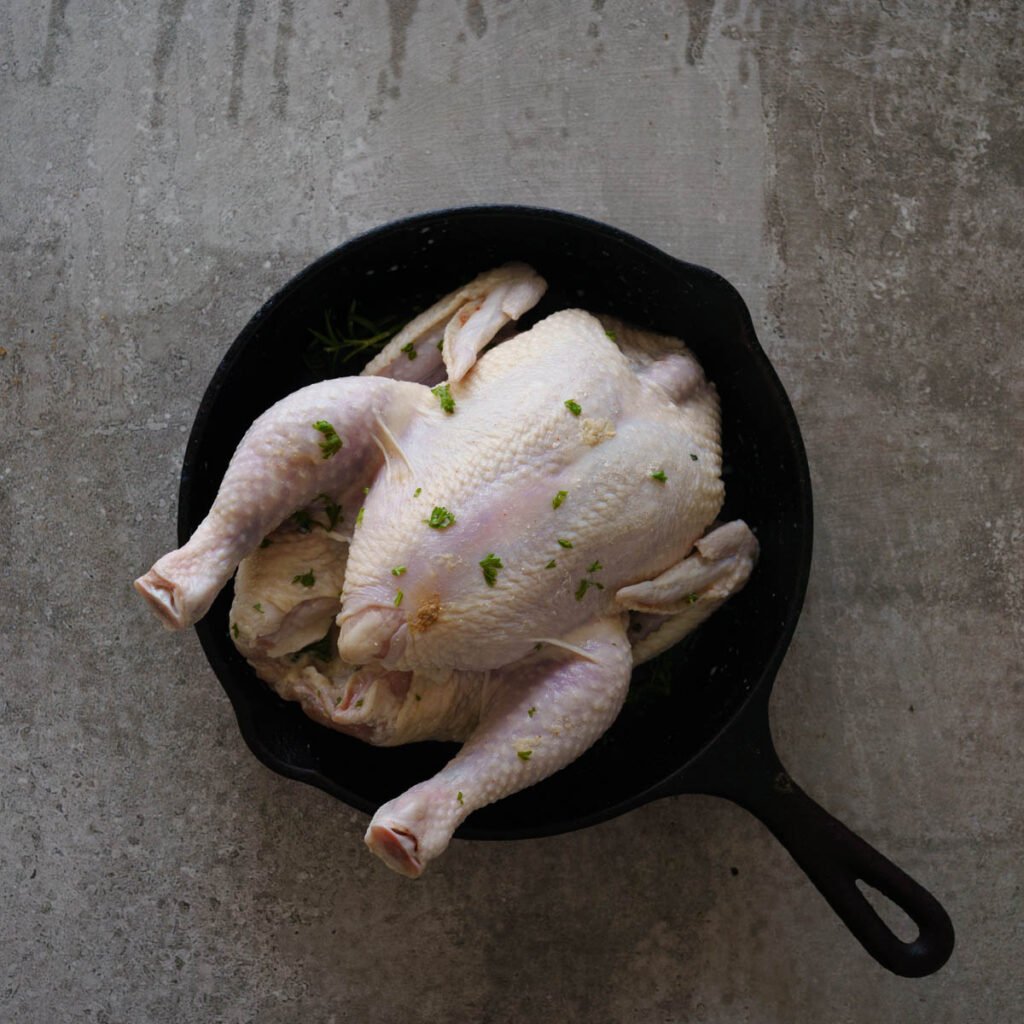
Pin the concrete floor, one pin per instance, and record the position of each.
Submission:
(856, 171)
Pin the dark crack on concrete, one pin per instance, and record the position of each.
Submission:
(239, 46)
(56, 26)
(476, 18)
(285, 33)
(700, 24)
(168, 20)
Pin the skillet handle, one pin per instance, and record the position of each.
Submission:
(743, 767)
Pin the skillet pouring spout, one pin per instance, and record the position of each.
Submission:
(742, 766)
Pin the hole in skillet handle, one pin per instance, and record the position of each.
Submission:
(741, 765)
(902, 926)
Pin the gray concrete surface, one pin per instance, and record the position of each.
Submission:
(856, 170)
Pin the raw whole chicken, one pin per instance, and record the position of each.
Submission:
(462, 562)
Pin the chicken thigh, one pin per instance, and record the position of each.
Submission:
(474, 549)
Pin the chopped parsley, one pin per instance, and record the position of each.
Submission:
(564, 543)
(234, 630)
(531, 712)
(659, 476)
(258, 607)
(440, 518)
(319, 649)
(418, 696)
(458, 796)
(303, 520)
(692, 456)
(399, 570)
(417, 492)
(595, 567)
(440, 344)
(444, 396)
(409, 350)
(331, 444)
(584, 586)
(490, 565)
(359, 703)
(333, 510)
(691, 598)
(611, 335)
(573, 406)
(307, 579)
(550, 564)
(359, 516)
(398, 598)
(366, 490)
(557, 500)
(524, 755)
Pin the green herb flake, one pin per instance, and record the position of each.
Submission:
(440, 344)
(417, 492)
(573, 406)
(440, 518)
(333, 511)
(458, 796)
(582, 589)
(595, 567)
(359, 517)
(659, 476)
(490, 565)
(366, 490)
(409, 350)
(257, 607)
(303, 520)
(556, 501)
(234, 630)
(691, 598)
(331, 444)
(319, 649)
(611, 335)
(399, 570)
(531, 712)
(444, 396)
(398, 598)
(564, 543)
(694, 457)
(550, 564)
(418, 696)
(359, 703)
(307, 579)
(524, 755)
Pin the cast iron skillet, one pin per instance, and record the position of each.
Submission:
(698, 718)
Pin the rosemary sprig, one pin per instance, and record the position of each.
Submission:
(357, 336)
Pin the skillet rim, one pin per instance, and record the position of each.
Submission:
(759, 690)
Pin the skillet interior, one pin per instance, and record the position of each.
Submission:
(679, 703)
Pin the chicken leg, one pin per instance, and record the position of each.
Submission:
(536, 718)
(321, 439)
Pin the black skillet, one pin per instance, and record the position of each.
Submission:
(697, 720)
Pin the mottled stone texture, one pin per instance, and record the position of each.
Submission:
(856, 169)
